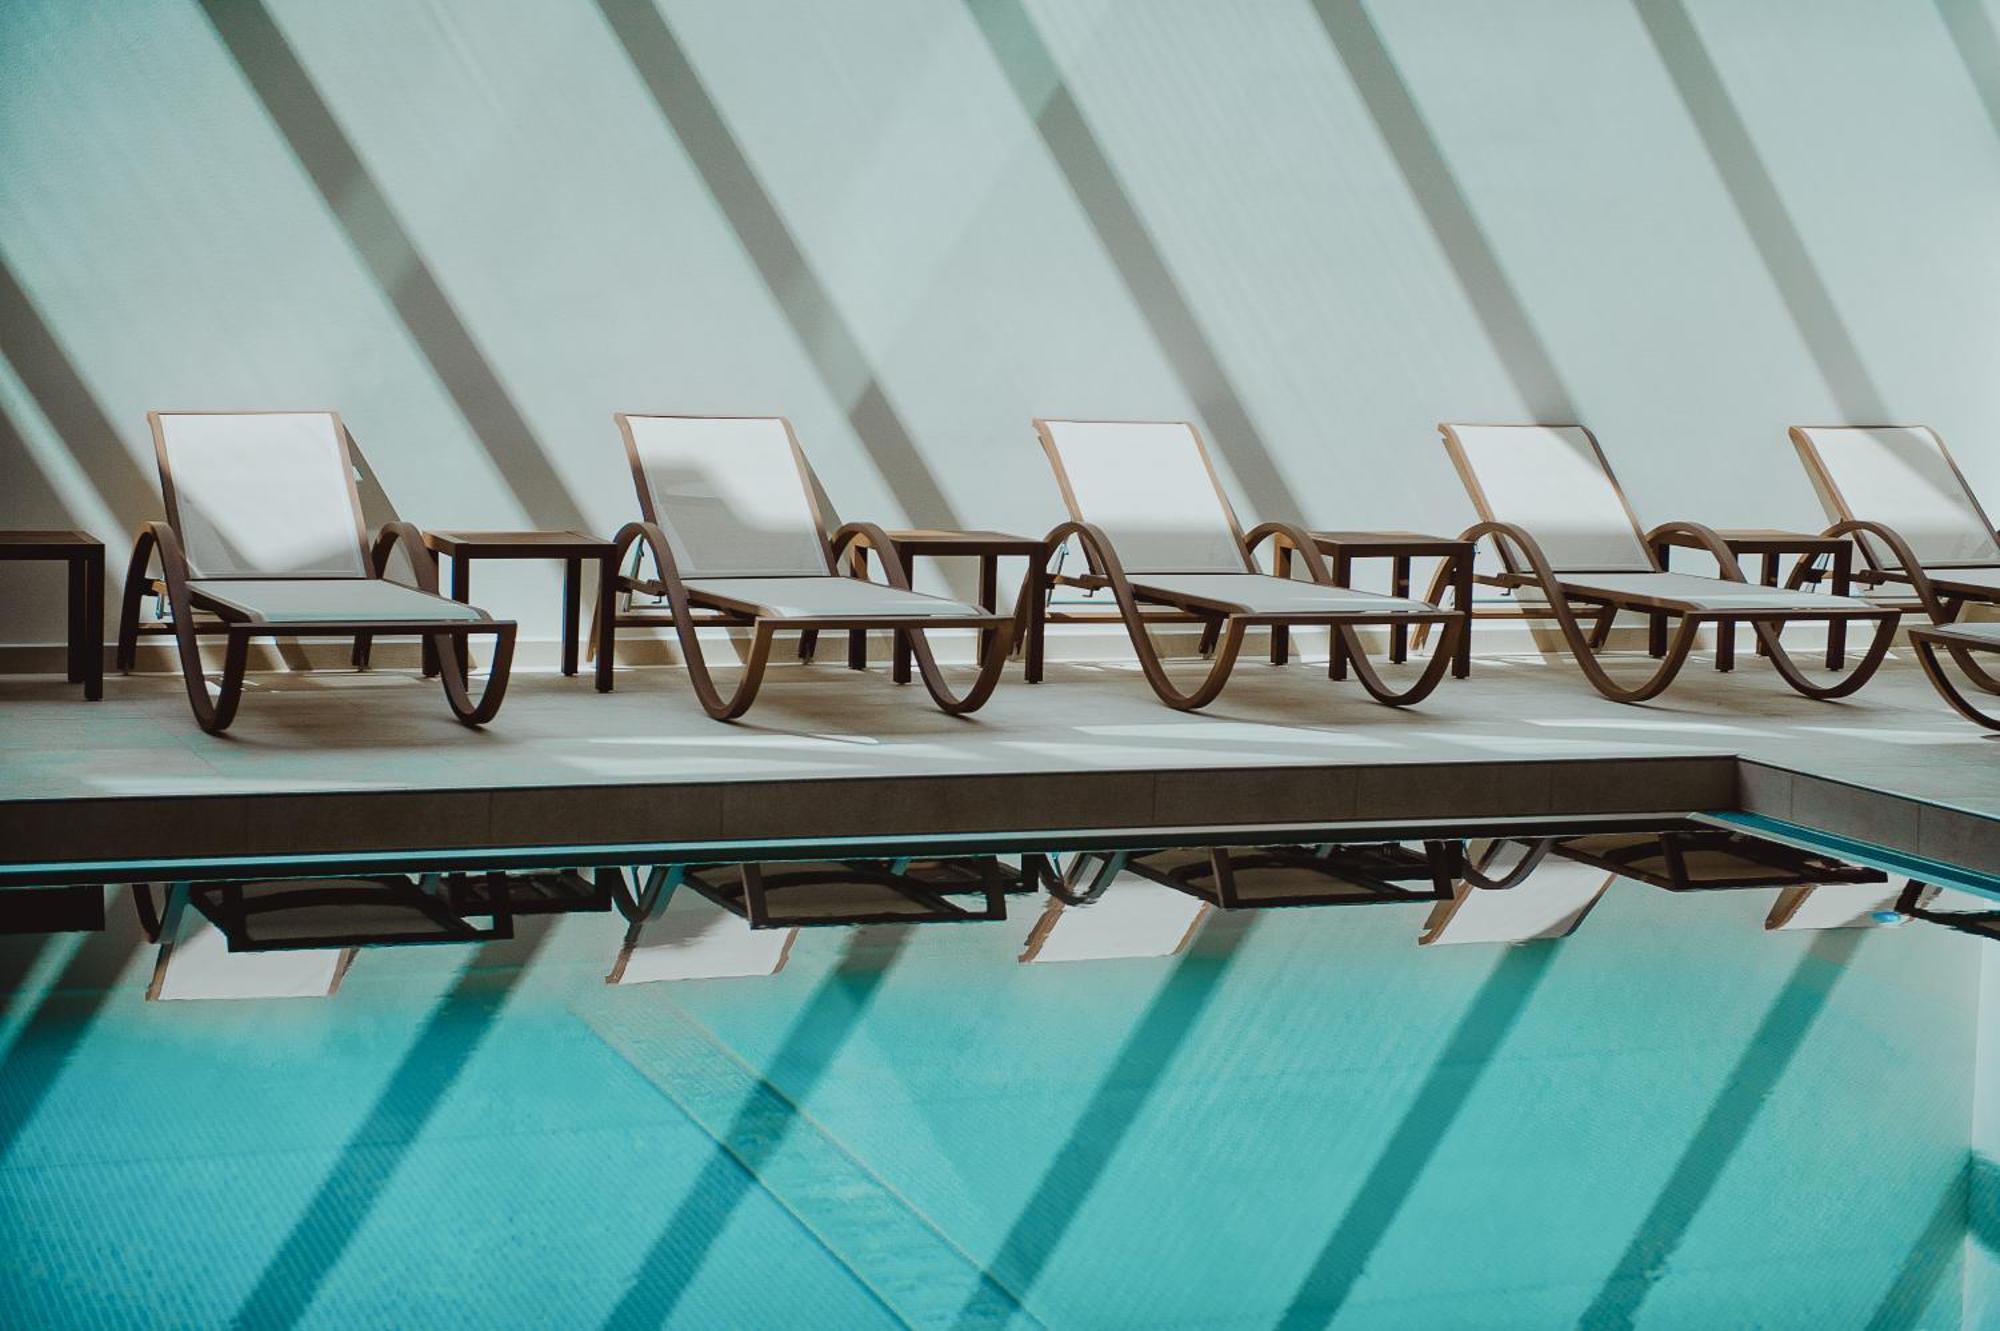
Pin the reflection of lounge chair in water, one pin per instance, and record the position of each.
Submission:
(1514, 892)
(731, 522)
(1157, 531)
(1547, 500)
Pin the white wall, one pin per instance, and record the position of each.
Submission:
(473, 227)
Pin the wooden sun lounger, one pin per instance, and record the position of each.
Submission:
(1549, 503)
(1898, 492)
(731, 519)
(1960, 641)
(1157, 530)
(264, 538)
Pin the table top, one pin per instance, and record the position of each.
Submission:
(517, 544)
(1388, 539)
(941, 540)
(28, 544)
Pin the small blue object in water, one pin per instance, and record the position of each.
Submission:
(1887, 917)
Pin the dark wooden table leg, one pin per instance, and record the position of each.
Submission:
(1336, 646)
(1281, 635)
(989, 596)
(1037, 592)
(461, 591)
(1836, 630)
(572, 612)
(1656, 623)
(91, 645)
(73, 639)
(1399, 586)
(899, 669)
(808, 644)
(607, 626)
(1725, 645)
(1769, 578)
(1462, 585)
(857, 639)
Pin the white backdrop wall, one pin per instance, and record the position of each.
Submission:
(479, 227)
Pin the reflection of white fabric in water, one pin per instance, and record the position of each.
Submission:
(263, 493)
(1548, 480)
(1901, 478)
(1134, 918)
(1547, 904)
(198, 964)
(695, 939)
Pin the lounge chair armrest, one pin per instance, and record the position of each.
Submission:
(654, 539)
(1097, 549)
(870, 536)
(1504, 534)
(1709, 540)
(1912, 567)
(422, 562)
(1301, 542)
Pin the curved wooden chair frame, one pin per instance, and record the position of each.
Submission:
(1227, 628)
(1519, 550)
(445, 640)
(682, 604)
(1928, 641)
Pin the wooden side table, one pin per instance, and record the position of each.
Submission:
(1772, 546)
(84, 554)
(1342, 548)
(989, 548)
(573, 548)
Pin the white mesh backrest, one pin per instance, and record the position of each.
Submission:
(729, 494)
(1548, 479)
(1901, 477)
(260, 494)
(1148, 486)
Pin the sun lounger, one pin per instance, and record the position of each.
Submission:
(1547, 500)
(1158, 531)
(730, 519)
(264, 538)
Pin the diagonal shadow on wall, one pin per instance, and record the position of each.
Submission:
(1114, 1107)
(1495, 303)
(1978, 44)
(356, 201)
(68, 405)
(1031, 70)
(757, 1132)
(1756, 1075)
(829, 341)
(1446, 1089)
(1768, 221)
(367, 1164)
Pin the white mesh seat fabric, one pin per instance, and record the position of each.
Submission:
(731, 493)
(1980, 583)
(1552, 481)
(331, 601)
(1901, 477)
(1984, 636)
(1148, 484)
(828, 597)
(1699, 593)
(1262, 594)
(261, 494)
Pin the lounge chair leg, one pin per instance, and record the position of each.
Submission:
(1934, 671)
(1600, 632)
(1441, 659)
(1863, 671)
(999, 647)
(1725, 645)
(808, 645)
(1211, 630)
(136, 586)
(453, 654)
(363, 650)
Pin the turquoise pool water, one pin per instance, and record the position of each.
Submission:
(1671, 1119)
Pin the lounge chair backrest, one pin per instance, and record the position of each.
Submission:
(1553, 481)
(1150, 486)
(733, 494)
(261, 494)
(1902, 477)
